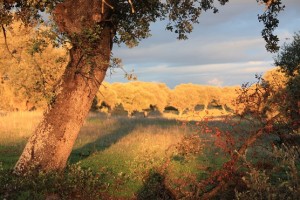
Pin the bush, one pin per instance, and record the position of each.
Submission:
(281, 182)
(73, 183)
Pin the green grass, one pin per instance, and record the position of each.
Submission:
(15, 129)
(123, 149)
(129, 153)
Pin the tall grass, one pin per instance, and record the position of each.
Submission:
(18, 126)
(15, 129)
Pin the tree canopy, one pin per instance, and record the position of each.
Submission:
(131, 19)
(289, 57)
(27, 78)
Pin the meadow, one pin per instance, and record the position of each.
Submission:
(129, 154)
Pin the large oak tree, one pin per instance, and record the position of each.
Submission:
(92, 26)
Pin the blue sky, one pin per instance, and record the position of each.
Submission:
(224, 48)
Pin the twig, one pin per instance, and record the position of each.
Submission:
(102, 6)
(131, 5)
(5, 41)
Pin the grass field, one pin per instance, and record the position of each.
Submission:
(130, 152)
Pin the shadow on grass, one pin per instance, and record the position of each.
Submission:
(155, 188)
(10, 153)
(121, 128)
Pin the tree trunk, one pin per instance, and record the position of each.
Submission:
(223, 108)
(205, 106)
(51, 143)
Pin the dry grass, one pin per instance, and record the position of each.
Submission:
(197, 115)
(16, 126)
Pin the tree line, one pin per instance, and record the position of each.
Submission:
(143, 97)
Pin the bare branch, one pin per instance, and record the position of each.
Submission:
(269, 3)
(104, 2)
(5, 41)
(131, 5)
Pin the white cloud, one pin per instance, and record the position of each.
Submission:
(215, 81)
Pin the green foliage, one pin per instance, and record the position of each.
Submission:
(155, 188)
(281, 182)
(293, 102)
(288, 59)
(270, 20)
(73, 183)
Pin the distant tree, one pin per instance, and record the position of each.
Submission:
(6, 96)
(214, 94)
(276, 78)
(250, 98)
(228, 96)
(160, 94)
(133, 97)
(91, 27)
(202, 98)
(184, 97)
(107, 98)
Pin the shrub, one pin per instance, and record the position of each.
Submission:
(73, 183)
(281, 182)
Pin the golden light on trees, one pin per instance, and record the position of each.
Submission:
(29, 77)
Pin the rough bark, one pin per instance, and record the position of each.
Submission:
(51, 143)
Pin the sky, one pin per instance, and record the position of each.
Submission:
(224, 49)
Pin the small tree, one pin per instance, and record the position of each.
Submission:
(133, 97)
(203, 98)
(228, 96)
(214, 95)
(160, 93)
(183, 97)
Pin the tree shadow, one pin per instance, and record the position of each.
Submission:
(102, 142)
(154, 188)
(123, 127)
